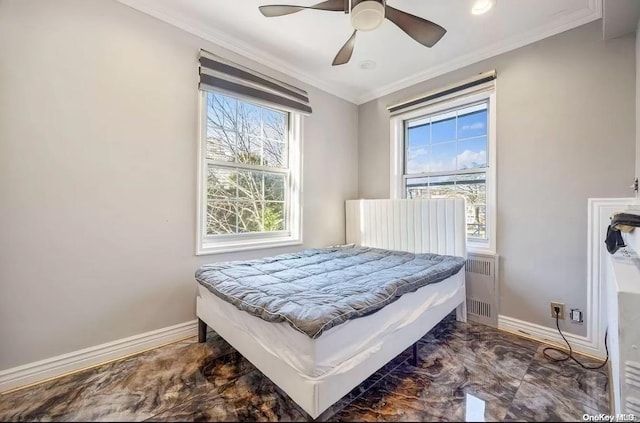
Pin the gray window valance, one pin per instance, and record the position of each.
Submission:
(218, 74)
(478, 82)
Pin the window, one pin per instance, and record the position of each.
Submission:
(249, 175)
(448, 150)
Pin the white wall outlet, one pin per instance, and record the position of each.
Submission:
(575, 315)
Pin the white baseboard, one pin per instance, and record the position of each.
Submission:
(547, 335)
(39, 371)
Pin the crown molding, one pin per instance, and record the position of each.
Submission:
(562, 24)
(566, 23)
(153, 9)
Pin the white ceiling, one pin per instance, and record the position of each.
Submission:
(304, 44)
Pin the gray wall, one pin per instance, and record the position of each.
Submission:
(98, 140)
(565, 133)
(638, 100)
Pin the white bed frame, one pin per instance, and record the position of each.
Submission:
(419, 226)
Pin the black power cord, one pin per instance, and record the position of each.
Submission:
(569, 355)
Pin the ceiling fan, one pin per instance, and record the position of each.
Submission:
(367, 15)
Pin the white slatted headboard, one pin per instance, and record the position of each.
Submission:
(418, 226)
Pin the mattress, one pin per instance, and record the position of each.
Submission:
(315, 290)
(342, 347)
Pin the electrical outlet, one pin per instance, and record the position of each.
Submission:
(553, 312)
(576, 315)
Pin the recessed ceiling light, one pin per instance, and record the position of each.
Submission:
(481, 7)
(368, 65)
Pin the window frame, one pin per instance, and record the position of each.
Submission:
(225, 243)
(485, 93)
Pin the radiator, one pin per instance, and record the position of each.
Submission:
(482, 288)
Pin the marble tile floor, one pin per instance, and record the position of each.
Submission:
(466, 372)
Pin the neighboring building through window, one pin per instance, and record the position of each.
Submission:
(448, 149)
(251, 195)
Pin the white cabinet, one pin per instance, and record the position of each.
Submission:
(623, 317)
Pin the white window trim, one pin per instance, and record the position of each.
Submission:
(244, 242)
(397, 191)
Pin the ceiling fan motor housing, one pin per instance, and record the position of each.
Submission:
(367, 15)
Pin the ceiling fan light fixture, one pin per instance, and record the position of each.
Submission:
(367, 15)
(480, 7)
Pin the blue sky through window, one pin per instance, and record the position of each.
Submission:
(448, 141)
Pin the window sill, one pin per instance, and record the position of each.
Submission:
(245, 245)
(480, 249)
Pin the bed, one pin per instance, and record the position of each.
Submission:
(317, 358)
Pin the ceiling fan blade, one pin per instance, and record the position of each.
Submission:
(423, 31)
(281, 10)
(344, 55)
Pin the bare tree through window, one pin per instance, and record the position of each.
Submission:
(247, 162)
